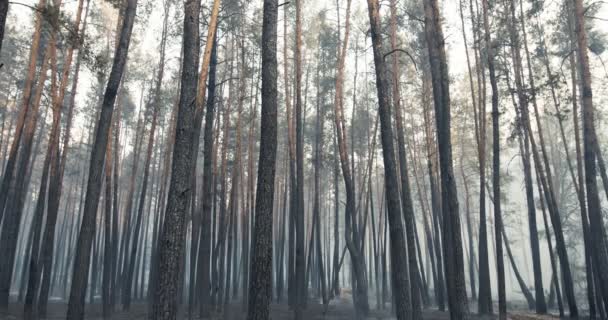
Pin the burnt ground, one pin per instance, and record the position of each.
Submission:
(339, 309)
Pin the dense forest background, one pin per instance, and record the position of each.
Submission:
(303, 159)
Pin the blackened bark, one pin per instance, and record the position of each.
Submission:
(16, 192)
(24, 115)
(591, 153)
(299, 259)
(398, 246)
(522, 285)
(452, 238)
(543, 170)
(3, 12)
(204, 254)
(485, 290)
(500, 265)
(108, 255)
(335, 287)
(318, 164)
(579, 168)
(156, 104)
(260, 285)
(87, 231)
(406, 198)
(551, 254)
(170, 251)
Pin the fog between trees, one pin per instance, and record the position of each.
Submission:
(303, 159)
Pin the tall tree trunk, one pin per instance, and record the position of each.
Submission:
(108, 255)
(318, 163)
(406, 197)
(260, 285)
(500, 265)
(18, 187)
(477, 126)
(299, 259)
(156, 102)
(435, 205)
(542, 167)
(580, 179)
(22, 117)
(292, 289)
(351, 229)
(452, 238)
(485, 289)
(87, 231)
(335, 288)
(204, 254)
(591, 154)
(398, 259)
(171, 248)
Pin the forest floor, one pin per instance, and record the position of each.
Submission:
(339, 309)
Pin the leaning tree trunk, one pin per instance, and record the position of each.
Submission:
(541, 167)
(398, 247)
(580, 173)
(452, 238)
(351, 229)
(24, 115)
(128, 282)
(58, 166)
(87, 231)
(12, 220)
(522, 285)
(591, 154)
(171, 249)
(477, 127)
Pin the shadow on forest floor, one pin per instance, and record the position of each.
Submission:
(340, 308)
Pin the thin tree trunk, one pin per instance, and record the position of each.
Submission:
(12, 220)
(24, 115)
(351, 229)
(522, 285)
(500, 265)
(299, 259)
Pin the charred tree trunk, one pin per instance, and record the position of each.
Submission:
(500, 265)
(299, 258)
(204, 253)
(170, 251)
(591, 154)
(87, 231)
(351, 227)
(260, 285)
(452, 238)
(401, 288)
